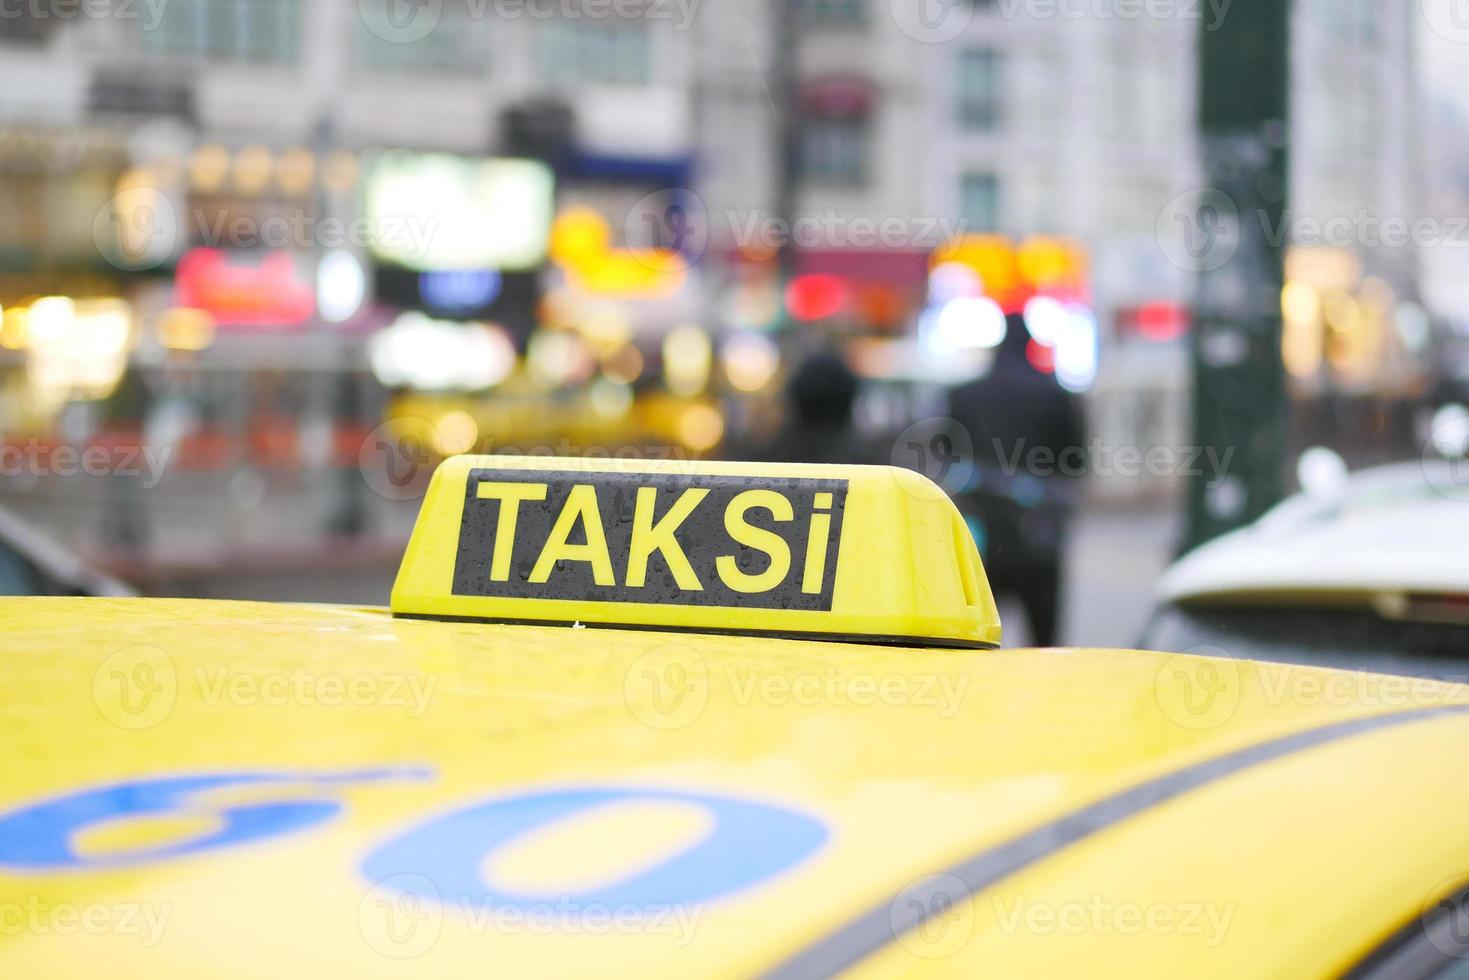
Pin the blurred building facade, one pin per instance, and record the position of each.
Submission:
(1014, 119)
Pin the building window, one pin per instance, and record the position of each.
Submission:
(456, 45)
(266, 31)
(573, 53)
(834, 150)
(979, 202)
(835, 11)
(979, 90)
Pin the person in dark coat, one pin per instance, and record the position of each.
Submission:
(819, 427)
(1029, 452)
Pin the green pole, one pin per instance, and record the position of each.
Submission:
(1235, 231)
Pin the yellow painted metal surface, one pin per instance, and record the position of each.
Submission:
(906, 761)
(1296, 869)
(845, 551)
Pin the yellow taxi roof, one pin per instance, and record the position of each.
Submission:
(249, 790)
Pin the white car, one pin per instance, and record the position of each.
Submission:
(1370, 575)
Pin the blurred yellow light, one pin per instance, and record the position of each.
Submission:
(185, 329)
(581, 243)
(455, 433)
(991, 257)
(625, 365)
(557, 358)
(296, 170)
(253, 169)
(50, 322)
(688, 357)
(138, 177)
(13, 328)
(750, 362)
(579, 234)
(610, 399)
(78, 347)
(339, 171)
(559, 308)
(606, 329)
(1323, 267)
(700, 427)
(1301, 347)
(1343, 314)
(1299, 302)
(104, 327)
(1048, 261)
(209, 167)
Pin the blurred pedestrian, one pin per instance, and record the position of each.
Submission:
(1029, 456)
(819, 426)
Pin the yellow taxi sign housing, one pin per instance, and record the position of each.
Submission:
(862, 553)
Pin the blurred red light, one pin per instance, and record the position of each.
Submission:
(815, 297)
(265, 295)
(1041, 357)
(1161, 321)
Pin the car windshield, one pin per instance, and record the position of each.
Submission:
(1325, 637)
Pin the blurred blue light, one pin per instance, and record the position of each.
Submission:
(460, 291)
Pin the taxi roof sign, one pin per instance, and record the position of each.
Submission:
(870, 554)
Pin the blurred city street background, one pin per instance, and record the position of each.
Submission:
(264, 262)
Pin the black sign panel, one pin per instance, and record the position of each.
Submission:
(737, 541)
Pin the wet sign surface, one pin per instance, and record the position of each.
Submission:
(656, 538)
